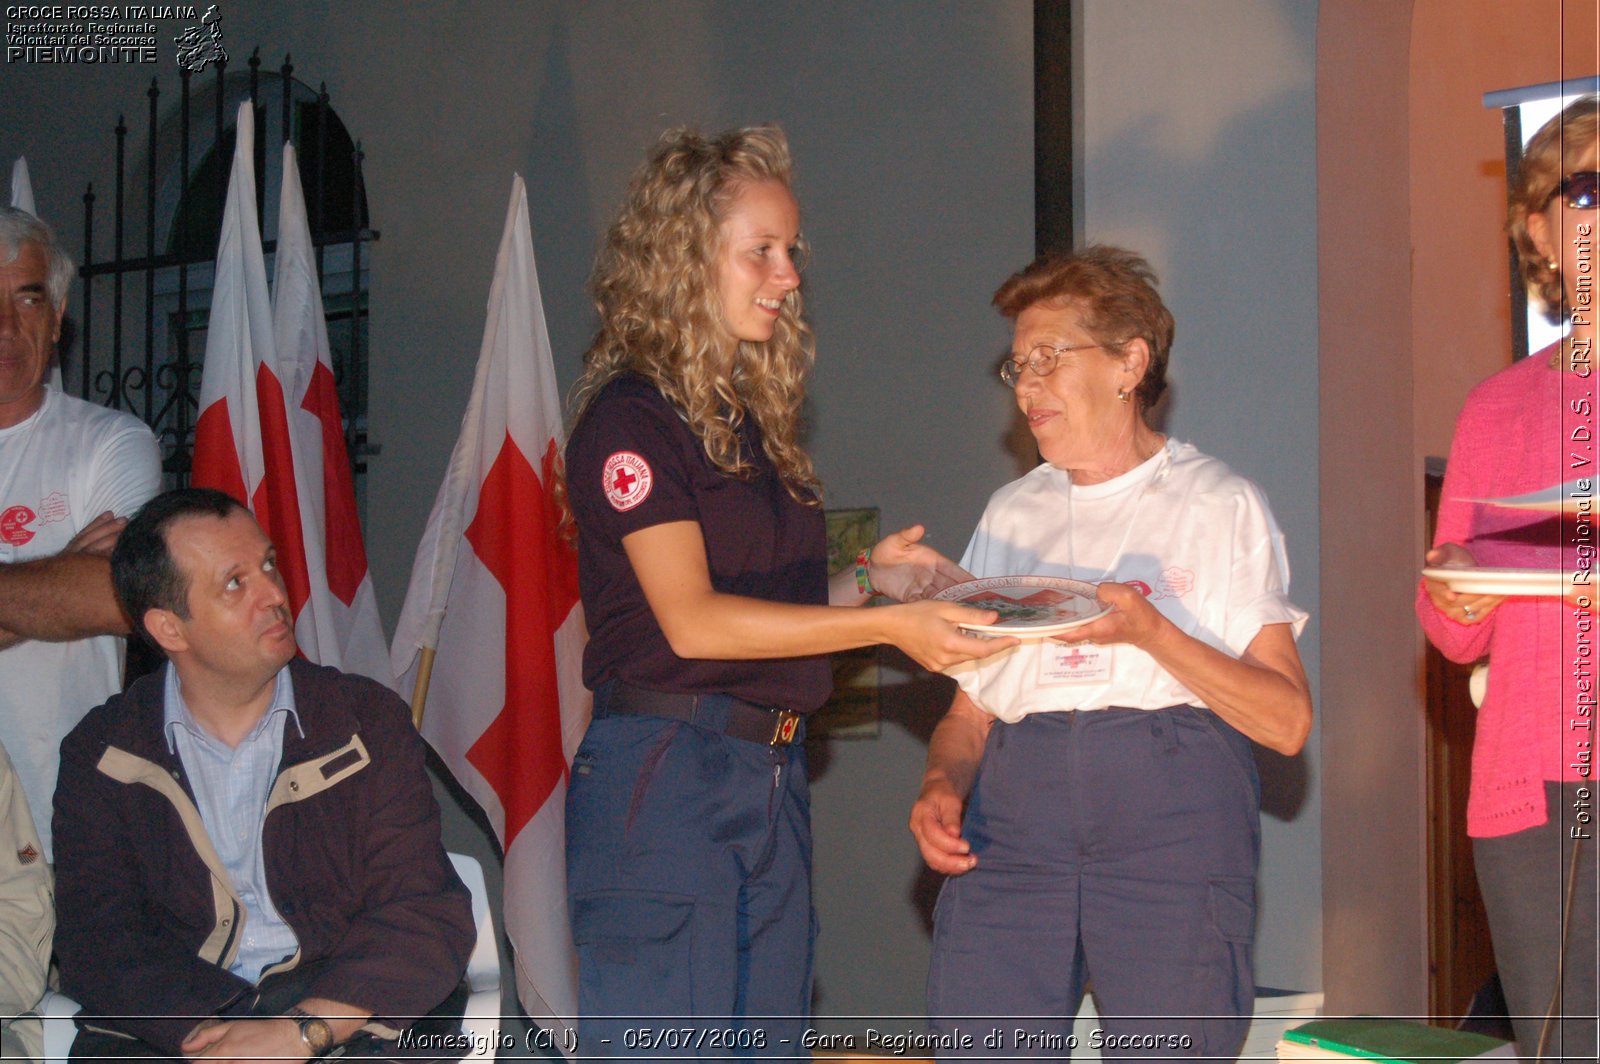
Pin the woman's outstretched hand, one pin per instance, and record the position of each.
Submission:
(906, 569)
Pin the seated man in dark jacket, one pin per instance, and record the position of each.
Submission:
(247, 846)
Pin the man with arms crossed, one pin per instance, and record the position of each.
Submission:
(247, 846)
(69, 472)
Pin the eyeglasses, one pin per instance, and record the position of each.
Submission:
(1042, 359)
(1579, 190)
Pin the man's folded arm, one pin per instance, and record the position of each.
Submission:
(68, 595)
(65, 596)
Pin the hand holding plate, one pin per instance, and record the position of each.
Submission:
(1461, 607)
(1132, 619)
(927, 632)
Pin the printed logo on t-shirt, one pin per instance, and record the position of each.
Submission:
(626, 479)
(14, 525)
(53, 507)
(1176, 582)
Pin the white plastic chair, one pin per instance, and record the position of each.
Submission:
(481, 1021)
(57, 1011)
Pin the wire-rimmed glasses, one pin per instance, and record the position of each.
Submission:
(1042, 359)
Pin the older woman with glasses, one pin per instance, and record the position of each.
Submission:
(1525, 428)
(1094, 800)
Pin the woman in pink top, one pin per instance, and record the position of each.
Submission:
(1526, 428)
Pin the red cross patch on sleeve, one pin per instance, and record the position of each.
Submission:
(626, 479)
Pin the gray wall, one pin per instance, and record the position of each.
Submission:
(1199, 149)
(911, 123)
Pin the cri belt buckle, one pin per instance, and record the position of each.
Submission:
(783, 732)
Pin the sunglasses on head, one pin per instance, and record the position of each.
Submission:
(1579, 190)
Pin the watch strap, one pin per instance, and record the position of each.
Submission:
(314, 1030)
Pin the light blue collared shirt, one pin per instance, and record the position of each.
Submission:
(231, 788)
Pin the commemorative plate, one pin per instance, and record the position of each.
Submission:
(1479, 580)
(1029, 606)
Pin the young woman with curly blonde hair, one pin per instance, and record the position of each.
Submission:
(702, 567)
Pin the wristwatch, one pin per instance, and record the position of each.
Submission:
(314, 1030)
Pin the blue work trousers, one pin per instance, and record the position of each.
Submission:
(689, 886)
(1117, 847)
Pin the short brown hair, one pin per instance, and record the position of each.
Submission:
(1560, 147)
(1114, 290)
(144, 573)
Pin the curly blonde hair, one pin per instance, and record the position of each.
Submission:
(655, 287)
(1561, 146)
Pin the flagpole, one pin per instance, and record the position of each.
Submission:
(419, 694)
(507, 722)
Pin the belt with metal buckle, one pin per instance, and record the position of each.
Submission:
(733, 717)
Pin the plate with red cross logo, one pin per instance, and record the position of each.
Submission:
(1029, 606)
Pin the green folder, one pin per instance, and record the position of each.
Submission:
(1398, 1041)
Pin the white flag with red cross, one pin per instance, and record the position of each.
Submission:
(494, 593)
(241, 439)
(339, 624)
(245, 442)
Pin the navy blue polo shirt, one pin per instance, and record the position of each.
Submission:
(632, 463)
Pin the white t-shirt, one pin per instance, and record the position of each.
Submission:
(60, 469)
(1194, 536)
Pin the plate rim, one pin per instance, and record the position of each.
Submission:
(1507, 581)
(1061, 583)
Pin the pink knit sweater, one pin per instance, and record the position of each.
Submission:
(1525, 428)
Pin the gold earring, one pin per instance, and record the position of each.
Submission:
(1553, 265)
(1122, 394)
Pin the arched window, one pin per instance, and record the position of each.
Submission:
(145, 308)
